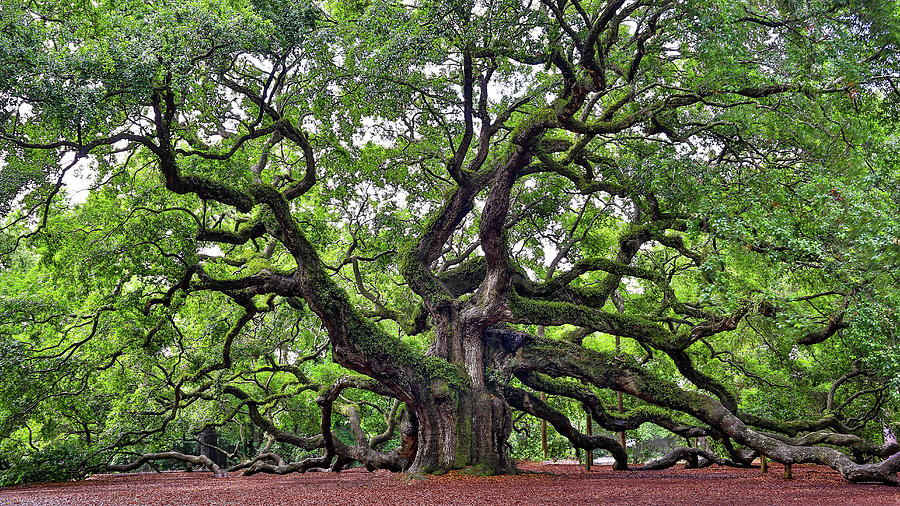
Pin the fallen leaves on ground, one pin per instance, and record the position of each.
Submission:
(538, 484)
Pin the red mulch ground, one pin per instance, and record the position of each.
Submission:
(556, 484)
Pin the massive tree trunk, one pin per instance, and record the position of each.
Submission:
(461, 421)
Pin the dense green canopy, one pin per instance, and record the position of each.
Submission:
(401, 233)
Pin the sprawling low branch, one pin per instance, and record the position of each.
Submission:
(198, 460)
(628, 421)
(670, 459)
(607, 371)
(527, 402)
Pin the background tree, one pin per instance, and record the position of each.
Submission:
(280, 192)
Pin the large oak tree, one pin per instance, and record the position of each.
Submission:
(471, 199)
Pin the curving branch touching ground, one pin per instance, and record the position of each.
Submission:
(849, 441)
(363, 451)
(197, 460)
(706, 458)
(607, 371)
(525, 401)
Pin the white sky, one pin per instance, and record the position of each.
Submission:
(78, 179)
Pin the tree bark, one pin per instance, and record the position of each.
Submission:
(607, 371)
(461, 420)
(199, 460)
(702, 457)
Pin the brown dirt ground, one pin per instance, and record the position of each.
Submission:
(544, 484)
